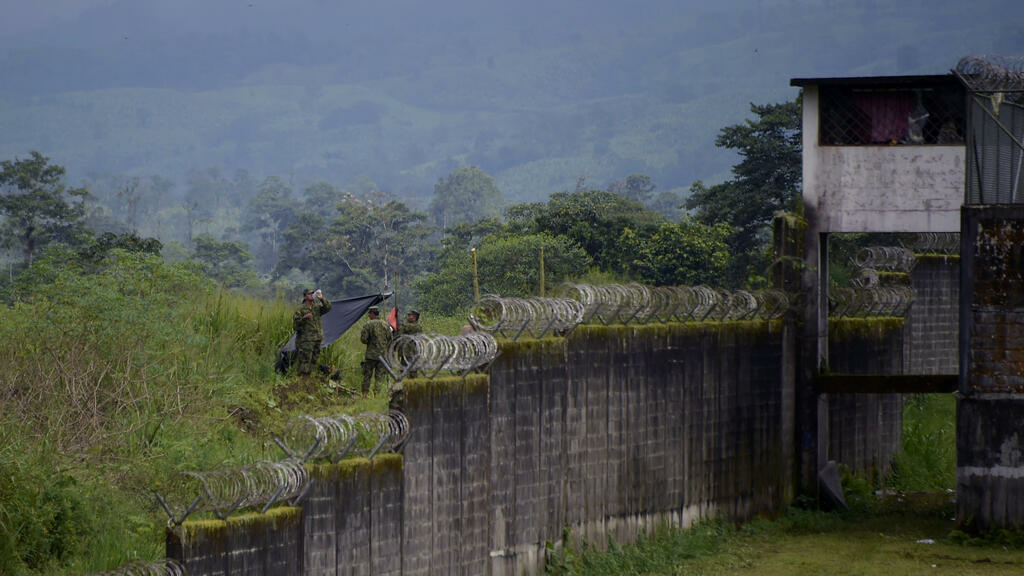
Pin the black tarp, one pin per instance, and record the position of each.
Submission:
(343, 314)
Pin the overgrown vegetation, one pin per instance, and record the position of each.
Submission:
(120, 376)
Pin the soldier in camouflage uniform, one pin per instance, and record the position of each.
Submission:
(412, 324)
(376, 334)
(308, 331)
(410, 327)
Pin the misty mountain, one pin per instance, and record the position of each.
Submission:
(404, 91)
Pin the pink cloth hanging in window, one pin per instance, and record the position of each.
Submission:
(887, 114)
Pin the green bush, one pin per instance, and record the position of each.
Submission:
(43, 519)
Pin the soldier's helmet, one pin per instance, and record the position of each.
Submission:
(374, 310)
(308, 291)
(414, 312)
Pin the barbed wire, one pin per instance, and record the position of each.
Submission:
(888, 258)
(334, 437)
(863, 302)
(932, 242)
(165, 567)
(432, 353)
(259, 484)
(991, 73)
(512, 317)
(636, 303)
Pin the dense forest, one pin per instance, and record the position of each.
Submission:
(264, 237)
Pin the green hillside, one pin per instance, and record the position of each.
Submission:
(532, 105)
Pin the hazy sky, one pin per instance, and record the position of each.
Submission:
(538, 91)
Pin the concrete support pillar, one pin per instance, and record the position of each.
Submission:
(990, 412)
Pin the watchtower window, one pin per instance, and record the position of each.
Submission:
(892, 116)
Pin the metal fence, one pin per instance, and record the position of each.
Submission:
(995, 129)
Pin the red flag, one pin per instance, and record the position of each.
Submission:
(393, 319)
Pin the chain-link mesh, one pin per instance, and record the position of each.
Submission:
(853, 116)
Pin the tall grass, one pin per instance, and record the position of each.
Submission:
(928, 458)
(118, 379)
(658, 552)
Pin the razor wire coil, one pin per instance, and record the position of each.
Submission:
(431, 353)
(261, 483)
(636, 303)
(887, 258)
(334, 437)
(932, 242)
(863, 302)
(508, 316)
(990, 73)
(165, 567)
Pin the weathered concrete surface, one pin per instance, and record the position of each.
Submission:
(880, 188)
(990, 414)
(865, 430)
(608, 433)
(250, 544)
(990, 463)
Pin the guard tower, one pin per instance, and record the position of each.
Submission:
(880, 154)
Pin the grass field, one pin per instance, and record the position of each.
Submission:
(894, 534)
(906, 526)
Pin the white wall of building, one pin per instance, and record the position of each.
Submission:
(880, 188)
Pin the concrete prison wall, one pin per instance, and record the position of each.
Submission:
(865, 430)
(606, 433)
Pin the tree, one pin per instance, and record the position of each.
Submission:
(268, 215)
(593, 219)
(508, 265)
(466, 195)
(766, 180)
(226, 262)
(636, 187)
(367, 242)
(684, 253)
(37, 208)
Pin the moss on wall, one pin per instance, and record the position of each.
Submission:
(417, 391)
(215, 529)
(875, 327)
(659, 330)
(386, 463)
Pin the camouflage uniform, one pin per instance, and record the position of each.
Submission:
(407, 328)
(308, 334)
(376, 334)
